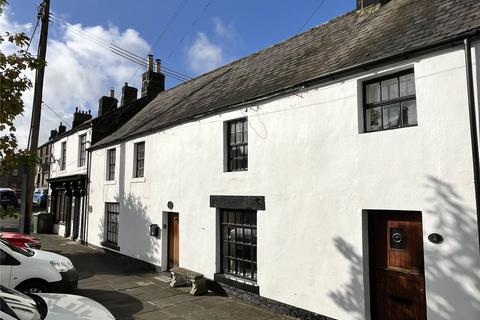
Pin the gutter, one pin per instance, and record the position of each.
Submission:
(449, 42)
(473, 129)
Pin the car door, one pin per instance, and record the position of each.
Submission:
(5, 269)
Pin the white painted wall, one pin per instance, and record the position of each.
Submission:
(72, 164)
(317, 173)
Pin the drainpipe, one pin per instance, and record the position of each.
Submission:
(473, 129)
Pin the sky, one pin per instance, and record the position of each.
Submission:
(190, 37)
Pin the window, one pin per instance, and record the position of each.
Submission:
(139, 159)
(237, 145)
(63, 159)
(111, 164)
(82, 150)
(239, 243)
(111, 227)
(390, 102)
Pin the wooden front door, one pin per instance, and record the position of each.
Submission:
(396, 261)
(173, 240)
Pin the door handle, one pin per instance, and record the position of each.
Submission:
(398, 299)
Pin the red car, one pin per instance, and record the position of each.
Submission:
(21, 240)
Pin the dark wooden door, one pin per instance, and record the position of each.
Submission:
(397, 271)
(173, 240)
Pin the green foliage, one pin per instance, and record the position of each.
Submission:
(9, 212)
(13, 82)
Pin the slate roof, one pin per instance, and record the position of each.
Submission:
(353, 38)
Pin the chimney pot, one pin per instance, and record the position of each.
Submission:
(112, 93)
(150, 62)
(158, 67)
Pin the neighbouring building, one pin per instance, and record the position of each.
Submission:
(70, 159)
(12, 178)
(45, 156)
(330, 175)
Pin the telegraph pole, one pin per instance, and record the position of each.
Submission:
(44, 15)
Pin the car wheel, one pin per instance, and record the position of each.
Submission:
(33, 287)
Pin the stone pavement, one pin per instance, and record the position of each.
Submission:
(131, 291)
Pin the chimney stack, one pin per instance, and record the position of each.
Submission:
(53, 134)
(129, 94)
(365, 3)
(153, 81)
(61, 128)
(80, 117)
(107, 104)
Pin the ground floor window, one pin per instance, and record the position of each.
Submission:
(112, 211)
(60, 210)
(239, 243)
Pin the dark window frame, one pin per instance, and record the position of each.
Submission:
(236, 162)
(384, 103)
(112, 214)
(139, 169)
(234, 262)
(63, 157)
(82, 150)
(111, 159)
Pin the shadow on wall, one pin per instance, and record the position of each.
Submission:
(350, 296)
(453, 266)
(134, 230)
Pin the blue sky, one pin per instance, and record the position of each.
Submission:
(191, 36)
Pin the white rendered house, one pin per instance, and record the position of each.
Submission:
(330, 175)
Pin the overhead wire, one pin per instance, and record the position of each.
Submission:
(56, 114)
(195, 21)
(117, 49)
(33, 34)
(311, 16)
(162, 33)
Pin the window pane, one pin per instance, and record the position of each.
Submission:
(391, 116)
(373, 119)
(407, 85)
(409, 113)
(389, 89)
(373, 92)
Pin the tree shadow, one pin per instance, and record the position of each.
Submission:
(134, 233)
(451, 268)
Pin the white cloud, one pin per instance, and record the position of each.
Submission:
(79, 71)
(204, 55)
(224, 30)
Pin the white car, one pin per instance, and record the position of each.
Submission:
(49, 306)
(32, 271)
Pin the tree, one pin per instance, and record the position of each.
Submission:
(13, 82)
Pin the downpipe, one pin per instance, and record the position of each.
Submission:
(473, 129)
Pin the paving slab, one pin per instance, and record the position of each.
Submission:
(131, 291)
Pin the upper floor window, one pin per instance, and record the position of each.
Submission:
(139, 160)
(237, 145)
(390, 102)
(82, 150)
(111, 164)
(63, 157)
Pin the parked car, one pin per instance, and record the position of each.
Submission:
(47, 306)
(40, 197)
(33, 271)
(21, 239)
(8, 198)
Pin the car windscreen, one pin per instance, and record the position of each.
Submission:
(25, 252)
(19, 305)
